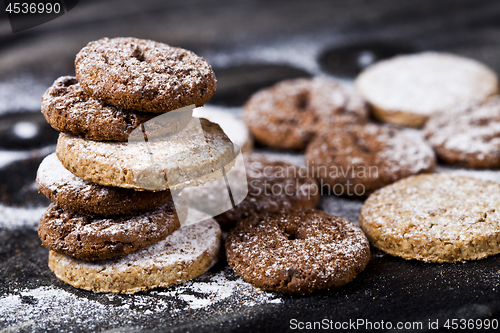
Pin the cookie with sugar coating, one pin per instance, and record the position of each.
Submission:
(189, 157)
(435, 218)
(468, 136)
(68, 109)
(273, 186)
(297, 252)
(234, 127)
(358, 159)
(73, 193)
(93, 238)
(406, 90)
(144, 75)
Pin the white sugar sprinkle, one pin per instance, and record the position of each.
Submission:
(51, 307)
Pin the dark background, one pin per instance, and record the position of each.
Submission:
(466, 27)
(252, 44)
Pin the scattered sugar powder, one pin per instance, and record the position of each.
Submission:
(52, 308)
(219, 288)
(13, 217)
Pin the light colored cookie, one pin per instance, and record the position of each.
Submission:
(469, 137)
(235, 128)
(406, 90)
(187, 253)
(435, 218)
(88, 238)
(187, 158)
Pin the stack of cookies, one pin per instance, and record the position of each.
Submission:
(128, 139)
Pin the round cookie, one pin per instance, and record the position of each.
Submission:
(187, 253)
(73, 193)
(93, 238)
(469, 137)
(297, 251)
(69, 110)
(236, 130)
(273, 186)
(287, 114)
(187, 158)
(435, 218)
(144, 75)
(358, 159)
(406, 90)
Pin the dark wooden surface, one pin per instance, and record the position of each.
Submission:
(251, 44)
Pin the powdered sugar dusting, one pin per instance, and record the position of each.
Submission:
(439, 213)
(370, 154)
(219, 288)
(407, 150)
(181, 159)
(52, 174)
(298, 251)
(234, 128)
(143, 74)
(12, 217)
(298, 105)
(426, 83)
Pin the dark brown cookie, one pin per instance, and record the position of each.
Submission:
(358, 159)
(444, 217)
(88, 238)
(273, 186)
(287, 114)
(144, 75)
(73, 193)
(469, 136)
(68, 109)
(297, 252)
